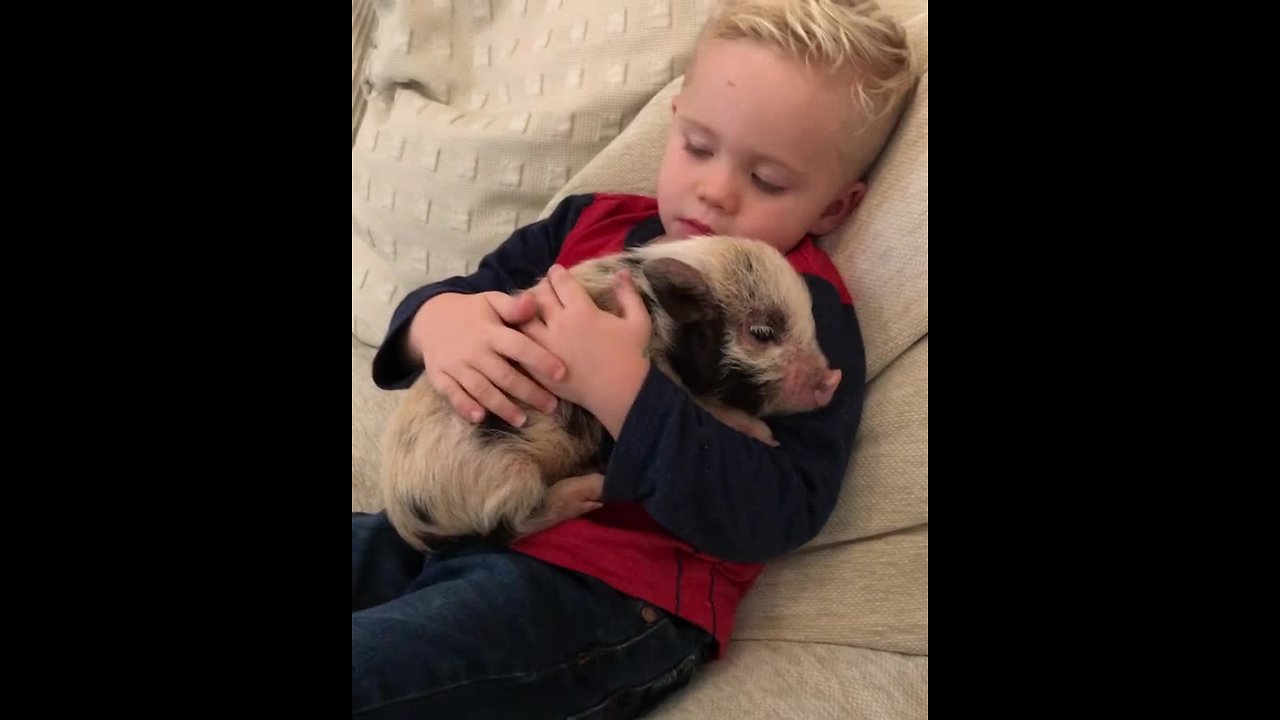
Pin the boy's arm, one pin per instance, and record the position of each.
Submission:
(513, 265)
(730, 495)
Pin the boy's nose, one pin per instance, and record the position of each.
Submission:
(717, 190)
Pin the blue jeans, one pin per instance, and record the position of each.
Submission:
(486, 632)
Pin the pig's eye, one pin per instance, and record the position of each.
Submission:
(763, 333)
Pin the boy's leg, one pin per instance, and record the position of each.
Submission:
(490, 633)
(382, 565)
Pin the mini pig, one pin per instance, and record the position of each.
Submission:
(731, 323)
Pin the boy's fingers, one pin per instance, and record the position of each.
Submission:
(628, 297)
(567, 288)
(463, 403)
(516, 384)
(525, 350)
(548, 301)
(479, 387)
(514, 309)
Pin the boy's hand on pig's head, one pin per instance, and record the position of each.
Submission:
(597, 347)
(469, 351)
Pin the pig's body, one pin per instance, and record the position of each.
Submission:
(731, 324)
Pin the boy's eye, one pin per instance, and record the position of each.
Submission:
(766, 186)
(696, 151)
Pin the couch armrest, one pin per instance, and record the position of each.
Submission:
(362, 20)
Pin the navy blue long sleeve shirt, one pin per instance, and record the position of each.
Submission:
(723, 493)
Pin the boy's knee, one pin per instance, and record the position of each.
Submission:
(390, 671)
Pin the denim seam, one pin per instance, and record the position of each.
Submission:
(692, 657)
(555, 668)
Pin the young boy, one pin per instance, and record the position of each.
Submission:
(783, 109)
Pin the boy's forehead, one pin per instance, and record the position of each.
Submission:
(740, 86)
(765, 74)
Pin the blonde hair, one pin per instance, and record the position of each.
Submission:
(835, 35)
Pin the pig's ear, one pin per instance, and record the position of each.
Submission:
(679, 288)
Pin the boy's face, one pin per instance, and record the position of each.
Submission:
(754, 149)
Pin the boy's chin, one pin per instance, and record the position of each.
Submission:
(674, 229)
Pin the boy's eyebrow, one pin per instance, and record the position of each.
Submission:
(766, 158)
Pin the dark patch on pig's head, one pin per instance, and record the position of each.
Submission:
(681, 290)
(772, 318)
(697, 353)
(697, 357)
(695, 349)
(741, 390)
(699, 338)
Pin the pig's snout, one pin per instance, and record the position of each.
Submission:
(810, 383)
(826, 390)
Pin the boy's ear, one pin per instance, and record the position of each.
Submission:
(840, 209)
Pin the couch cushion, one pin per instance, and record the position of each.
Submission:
(887, 485)
(362, 18)
(370, 408)
(480, 111)
(802, 680)
(883, 251)
(872, 593)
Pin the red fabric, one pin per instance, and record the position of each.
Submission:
(620, 544)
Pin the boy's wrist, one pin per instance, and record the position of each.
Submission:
(421, 319)
(612, 402)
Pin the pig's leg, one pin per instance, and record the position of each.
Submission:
(565, 500)
(748, 425)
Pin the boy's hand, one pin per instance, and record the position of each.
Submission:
(604, 353)
(466, 345)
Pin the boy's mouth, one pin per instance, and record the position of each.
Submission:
(696, 228)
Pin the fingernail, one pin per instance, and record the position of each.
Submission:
(520, 420)
(477, 416)
(551, 406)
(560, 373)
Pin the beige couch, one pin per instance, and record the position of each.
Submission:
(471, 117)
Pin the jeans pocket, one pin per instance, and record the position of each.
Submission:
(637, 701)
